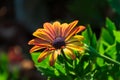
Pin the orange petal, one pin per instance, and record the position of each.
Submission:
(51, 36)
(49, 27)
(80, 28)
(43, 55)
(69, 53)
(35, 48)
(37, 41)
(70, 27)
(64, 26)
(39, 30)
(74, 47)
(74, 31)
(53, 57)
(57, 28)
(43, 35)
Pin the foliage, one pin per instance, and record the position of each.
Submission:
(5, 72)
(88, 66)
(3, 67)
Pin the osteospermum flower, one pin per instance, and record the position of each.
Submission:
(57, 38)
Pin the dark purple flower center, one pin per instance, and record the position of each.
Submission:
(58, 42)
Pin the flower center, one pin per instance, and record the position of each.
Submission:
(58, 42)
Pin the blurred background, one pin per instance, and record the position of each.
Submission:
(20, 18)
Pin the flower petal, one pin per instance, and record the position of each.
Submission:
(74, 31)
(43, 55)
(74, 47)
(64, 26)
(80, 28)
(37, 41)
(52, 36)
(42, 35)
(57, 28)
(76, 38)
(49, 27)
(35, 48)
(70, 27)
(53, 57)
(69, 53)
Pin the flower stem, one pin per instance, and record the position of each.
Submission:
(92, 51)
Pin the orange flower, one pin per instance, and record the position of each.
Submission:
(56, 37)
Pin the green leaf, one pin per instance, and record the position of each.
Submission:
(44, 67)
(111, 51)
(90, 37)
(106, 36)
(94, 41)
(47, 72)
(3, 62)
(110, 25)
(85, 34)
(60, 68)
(101, 48)
(43, 64)
(35, 57)
(4, 76)
(100, 62)
(117, 35)
(118, 51)
(110, 78)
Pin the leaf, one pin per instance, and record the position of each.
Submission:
(60, 68)
(100, 62)
(43, 66)
(85, 34)
(110, 25)
(118, 51)
(106, 36)
(94, 41)
(117, 35)
(90, 37)
(111, 51)
(47, 72)
(101, 48)
(110, 78)
(4, 76)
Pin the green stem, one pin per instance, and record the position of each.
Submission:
(92, 51)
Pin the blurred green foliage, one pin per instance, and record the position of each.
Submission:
(87, 67)
(3, 66)
(115, 4)
(7, 71)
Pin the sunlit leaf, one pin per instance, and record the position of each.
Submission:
(100, 62)
(110, 25)
(117, 35)
(110, 78)
(111, 51)
(60, 68)
(4, 76)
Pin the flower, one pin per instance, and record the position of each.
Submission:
(55, 38)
